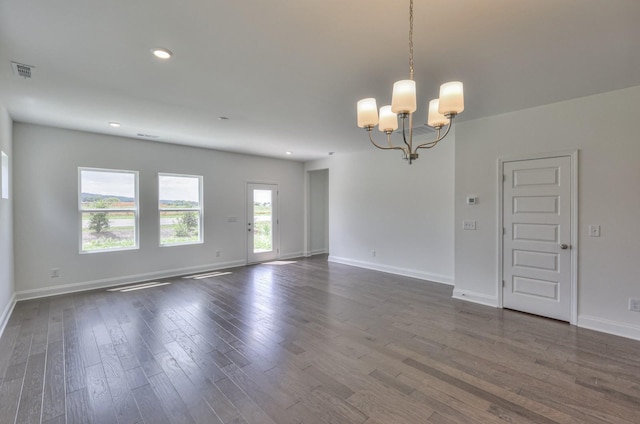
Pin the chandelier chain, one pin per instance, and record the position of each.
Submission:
(411, 39)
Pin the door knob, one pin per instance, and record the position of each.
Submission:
(564, 246)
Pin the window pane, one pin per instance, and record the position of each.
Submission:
(107, 190)
(178, 227)
(108, 230)
(179, 192)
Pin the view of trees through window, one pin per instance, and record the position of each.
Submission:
(180, 204)
(108, 209)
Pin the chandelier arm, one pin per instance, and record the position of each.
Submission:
(382, 147)
(439, 137)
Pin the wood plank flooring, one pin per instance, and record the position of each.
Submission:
(309, 342)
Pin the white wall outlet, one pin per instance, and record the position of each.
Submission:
(472, 200)
(232, 219)
(594, 231)
(373, 253)
(468, 225)
(634, 304)
(55, 273)
(217, 253)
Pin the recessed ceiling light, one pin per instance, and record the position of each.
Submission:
(162, 53)
(289, 153)
(114, 124)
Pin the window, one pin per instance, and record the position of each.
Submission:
(180, 204)
(108, 210)
(4, 177)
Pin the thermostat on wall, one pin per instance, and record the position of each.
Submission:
(472, 200)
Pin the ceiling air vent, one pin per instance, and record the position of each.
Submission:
(23, 71)
(418, 131)
(151, 136)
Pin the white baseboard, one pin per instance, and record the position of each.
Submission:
(291, 255)
(480, 298)
(607, 326)
(318, 252)
(4, 318)
(117, 281)
(414, 273)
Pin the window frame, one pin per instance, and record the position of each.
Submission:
(199, 209)
(135, 210)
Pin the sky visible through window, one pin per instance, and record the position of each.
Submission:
(179, 188)
(108, 183)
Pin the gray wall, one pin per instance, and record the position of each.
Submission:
(603, 129)
(377, 201)
(6, 225)
(319, 211)
(46, 195)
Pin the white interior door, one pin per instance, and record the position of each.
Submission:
(537, 236)
(262, 222)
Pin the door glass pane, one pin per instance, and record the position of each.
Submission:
(262, 221)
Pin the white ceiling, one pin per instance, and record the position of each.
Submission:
(288, 73)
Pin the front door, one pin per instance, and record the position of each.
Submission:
(262, 222)
(537, 236)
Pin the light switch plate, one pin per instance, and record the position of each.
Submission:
(594, 231)
(468, 225)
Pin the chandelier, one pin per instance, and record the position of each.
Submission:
(403, 105)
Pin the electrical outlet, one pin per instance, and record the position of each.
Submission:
(217, 253)
(373, 253)
(468, 225)
(634, 304)
(594, 231)
(55, 273)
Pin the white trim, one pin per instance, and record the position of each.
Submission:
(573, 156)
(6, 314)
(414, 273)
(318, 252)
(474, 297)
(611, 327)
(291, 255)
(111, 282)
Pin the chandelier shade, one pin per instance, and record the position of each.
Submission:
(367, 113)
(403, 98)
(388, 119)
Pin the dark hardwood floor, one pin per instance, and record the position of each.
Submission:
(308, 342)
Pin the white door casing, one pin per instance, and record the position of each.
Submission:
(537, 236)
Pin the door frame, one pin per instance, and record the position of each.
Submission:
(246, 216)
(573, 155)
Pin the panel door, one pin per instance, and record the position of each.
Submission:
(262, 222)
(537, 236)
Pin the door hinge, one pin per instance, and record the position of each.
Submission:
(504, 230)
(504, 177)
(503, 284)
